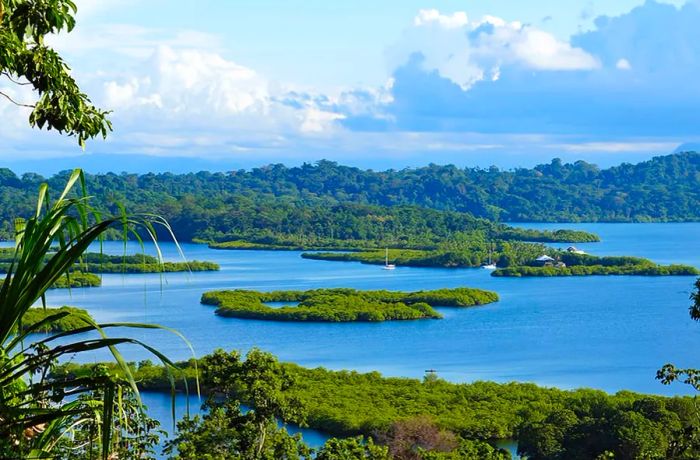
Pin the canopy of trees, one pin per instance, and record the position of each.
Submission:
(75, 318)
(93, 262)
(547, 423)
(331, 201)
(585, 264)
(340, 305)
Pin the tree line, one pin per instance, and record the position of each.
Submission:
(343, 304)
(417, 419)
(323, 199)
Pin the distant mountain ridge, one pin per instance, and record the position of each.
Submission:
(665, 188)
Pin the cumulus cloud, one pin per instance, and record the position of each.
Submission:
(426, 17)
(194, 98)
(628, 76)
(192, 82)
(623, 64)
(467, 51)
(456, 84)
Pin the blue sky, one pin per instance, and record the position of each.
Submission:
(378, 83)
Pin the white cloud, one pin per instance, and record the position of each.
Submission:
(476, 86)
(432, 16)
(470, 51)
(316, 121)
(188, 99)
(623, 64)
(542, 51)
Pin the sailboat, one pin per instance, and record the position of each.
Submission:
(387, 265)
(491, 265)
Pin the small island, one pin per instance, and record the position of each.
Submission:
(463, 254)
(573, 262)
(343, 305)
(501, 233)
(74, 318)
(404, 257)
(94, 262)
(514, 259)
(85, 272)
(77, 280)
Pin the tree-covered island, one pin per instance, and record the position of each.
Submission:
(343, 305)
(60, 319)
(566, 263)
(94, 262)
(513, 259)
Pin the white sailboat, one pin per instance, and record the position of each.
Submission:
(387, 265)
(491, 265)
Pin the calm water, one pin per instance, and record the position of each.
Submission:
(610, 333)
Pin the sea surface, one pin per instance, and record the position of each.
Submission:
(610, 333)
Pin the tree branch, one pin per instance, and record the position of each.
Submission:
(15, 102)
(9, 77)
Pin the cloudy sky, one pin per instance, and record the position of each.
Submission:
(378, 83)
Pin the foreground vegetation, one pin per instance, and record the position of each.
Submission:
(48, 416)
(342, 305)
(547, 423)
(585, 265)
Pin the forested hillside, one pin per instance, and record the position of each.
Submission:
(327, 195)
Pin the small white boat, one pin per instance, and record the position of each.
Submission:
(491, 265)
(387, 265)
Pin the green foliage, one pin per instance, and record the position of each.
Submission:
(314, 205)
(515, 259)
(588, 270)
(40, 413)
(75, 318)
(77, 280)
(225, 431)
(354, 448)
(248, 210)
(92, 262)
(405, 228)
(547, 236)
(461, 252)
(470, 450)
(136, 434)
(338, 305)
(586, 265)
(547, 423)
(625, 428)
(139, 263)
(25, 59)
(670, 373)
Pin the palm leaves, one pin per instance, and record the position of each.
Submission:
(38, 411)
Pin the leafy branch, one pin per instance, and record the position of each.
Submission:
(23, 55)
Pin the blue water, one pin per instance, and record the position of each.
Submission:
(611, 333)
